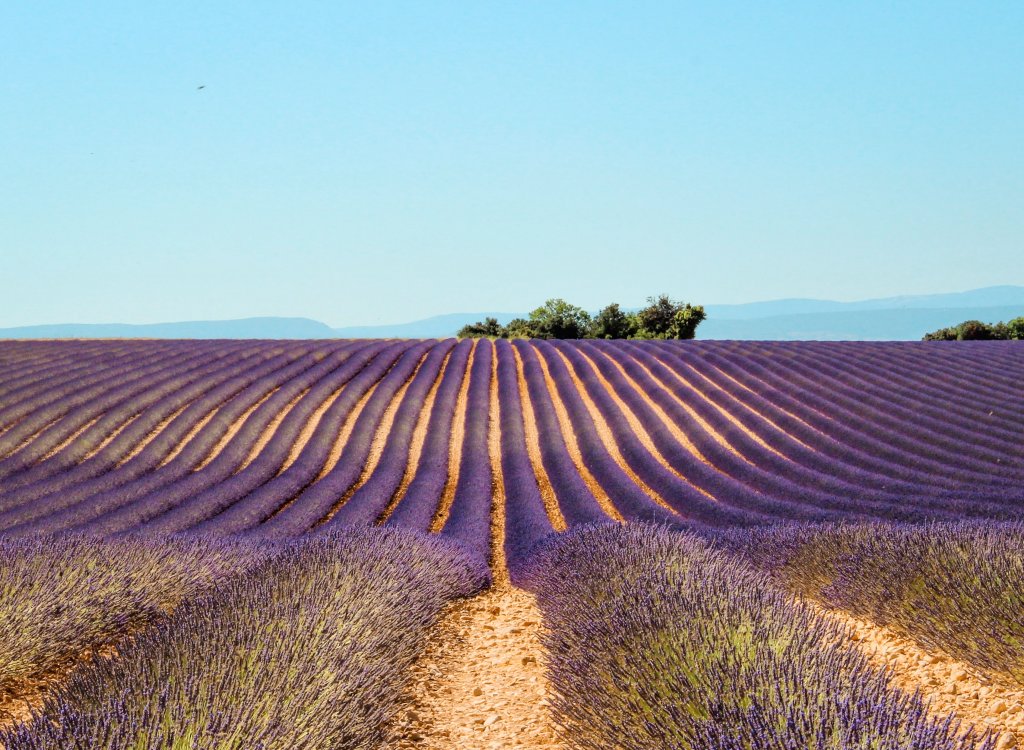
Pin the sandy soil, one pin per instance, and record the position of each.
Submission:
(309, 428)
(637, 426)
(949, 685)
(569, 435)
(532, 435)
(607, 437)
(419, 437)
(481, 682)
(458, 434)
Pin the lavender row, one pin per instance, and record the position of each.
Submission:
(882, 450)
(702, 481)
(62, 596)
(655, 640)
(167, 511)
(370, 501)
(131, 433)
(869, 466)
(313, 501)
(576, 500)
(96, 390)
(799, 473)
(900, 412)
(969, 400)
(132, 401)
(180, 478)
(526, 519)
(311, 650)
(956, 587)
(418, 505)
(113, 470)
(469, 517)
(59, 380)
(628, 497)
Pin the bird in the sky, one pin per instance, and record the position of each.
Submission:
(199, 88)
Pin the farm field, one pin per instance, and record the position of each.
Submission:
(442, 543)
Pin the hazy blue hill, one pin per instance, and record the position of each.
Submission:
(908, 323)
(892, 318)
(993, 296)
(438, 326)
(246, 328)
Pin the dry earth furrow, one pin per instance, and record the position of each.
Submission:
(607, 437)
(950, 686)
(532, 434)
(573, 447)
(419, 437)
(638, 429)
(377, 444)
(481, 683)
(458, 434)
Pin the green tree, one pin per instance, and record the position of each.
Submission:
(665, 318)
(943, 334)
(613, 323)
(974, 330)
(557, 319)
(1015, 329)
(489, 328)
(519, 328)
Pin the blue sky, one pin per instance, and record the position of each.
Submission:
(378, 162)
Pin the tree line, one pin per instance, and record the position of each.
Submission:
(662, 318)
(975, 330)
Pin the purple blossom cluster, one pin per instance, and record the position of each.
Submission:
(654, 639)
(65, 595)
(109, 437)
(956, 587)
(308, 650)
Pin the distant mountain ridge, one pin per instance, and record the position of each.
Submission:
(891, 318)
(246, 328)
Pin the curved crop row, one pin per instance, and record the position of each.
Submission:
(279, 439)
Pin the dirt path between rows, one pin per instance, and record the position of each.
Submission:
(948, 685)
(481, 683)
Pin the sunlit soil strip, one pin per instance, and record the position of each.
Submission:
(672, 427)
(569, 435)
(149, 438)
(788, 413)
(195, 430)
(419, 437)
(16, 708)
(480, 683)
(604, 432)
(637, 427)
(28, 440)
(499, 565)
(345, 433)
(380, 439)
(310, 427)
(455, 445)
(225, 439)
(265, 436)
(948, 685)
(547, 492)
(70, 439)
(114, 433)
(715, 434)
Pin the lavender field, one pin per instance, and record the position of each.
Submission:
(258, 544)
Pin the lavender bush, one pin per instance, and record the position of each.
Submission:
(957, 587)
(656, 640)
(61, 596)
(309, 651)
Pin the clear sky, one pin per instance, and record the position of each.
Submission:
(376, 162)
